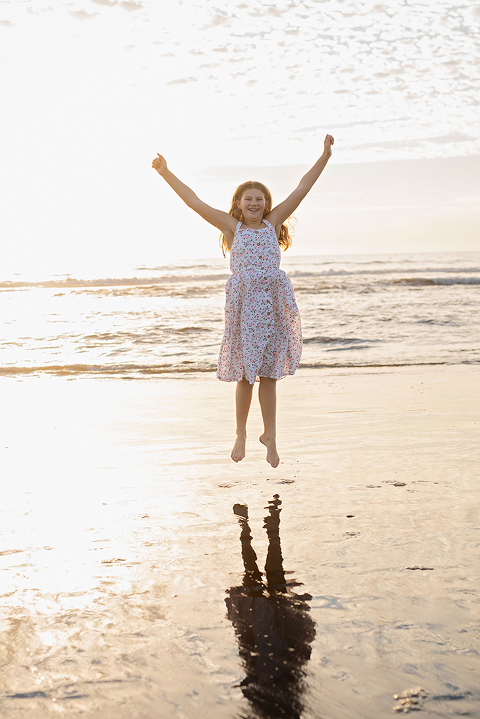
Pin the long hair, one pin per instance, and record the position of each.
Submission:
(284, 240)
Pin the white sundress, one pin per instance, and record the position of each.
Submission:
(263, 335)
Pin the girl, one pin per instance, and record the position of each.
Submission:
(262, 324)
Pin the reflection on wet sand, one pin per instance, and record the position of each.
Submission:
(273, 625)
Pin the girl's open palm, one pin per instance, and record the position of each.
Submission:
(159, 164)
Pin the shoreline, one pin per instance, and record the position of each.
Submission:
(144, 372)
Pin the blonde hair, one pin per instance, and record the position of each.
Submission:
(285, 241)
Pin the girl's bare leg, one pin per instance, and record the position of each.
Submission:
(267, 394)
(243, 399)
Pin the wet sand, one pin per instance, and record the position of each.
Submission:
(129, 588)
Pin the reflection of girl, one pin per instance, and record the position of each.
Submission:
(273, 627)
(262, 325)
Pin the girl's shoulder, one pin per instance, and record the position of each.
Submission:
(271, 220)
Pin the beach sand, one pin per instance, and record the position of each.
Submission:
(119, 547)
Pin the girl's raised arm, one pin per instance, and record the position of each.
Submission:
(222, 220)
(283, 211)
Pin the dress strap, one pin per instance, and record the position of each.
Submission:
(239, 224)
(268, 224)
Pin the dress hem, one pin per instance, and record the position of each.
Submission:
(257, 378)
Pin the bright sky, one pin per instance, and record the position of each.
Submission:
(229, 91)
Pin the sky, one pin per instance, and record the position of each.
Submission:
(227, 91)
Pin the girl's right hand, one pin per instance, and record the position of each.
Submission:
(159, 164)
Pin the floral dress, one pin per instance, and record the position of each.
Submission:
(263, 336)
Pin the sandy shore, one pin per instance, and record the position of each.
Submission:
(119, 547)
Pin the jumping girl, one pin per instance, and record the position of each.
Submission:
(263, 337)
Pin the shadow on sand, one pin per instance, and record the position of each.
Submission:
(273, 626)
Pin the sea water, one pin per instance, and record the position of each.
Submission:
(357, 311)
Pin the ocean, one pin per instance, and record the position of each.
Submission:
(357, 311)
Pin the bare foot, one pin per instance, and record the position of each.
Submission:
(271, 445)
(238, 451)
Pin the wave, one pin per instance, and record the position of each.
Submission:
(72, 283)
(386, 271)
(194, 278)
(140, 371)
(109, 370)
(336, 340)
(323, 286)
(424, 281)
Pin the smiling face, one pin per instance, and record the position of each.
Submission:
(252, 205)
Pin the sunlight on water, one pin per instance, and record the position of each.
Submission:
(356, 311)
(74, 487)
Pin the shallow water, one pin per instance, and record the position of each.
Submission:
(124, 592)
(356, 311)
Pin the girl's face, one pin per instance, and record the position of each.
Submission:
(252, 205)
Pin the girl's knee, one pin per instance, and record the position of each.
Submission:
(244, 386)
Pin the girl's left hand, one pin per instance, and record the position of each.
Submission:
(328, 144)
(159, 164)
